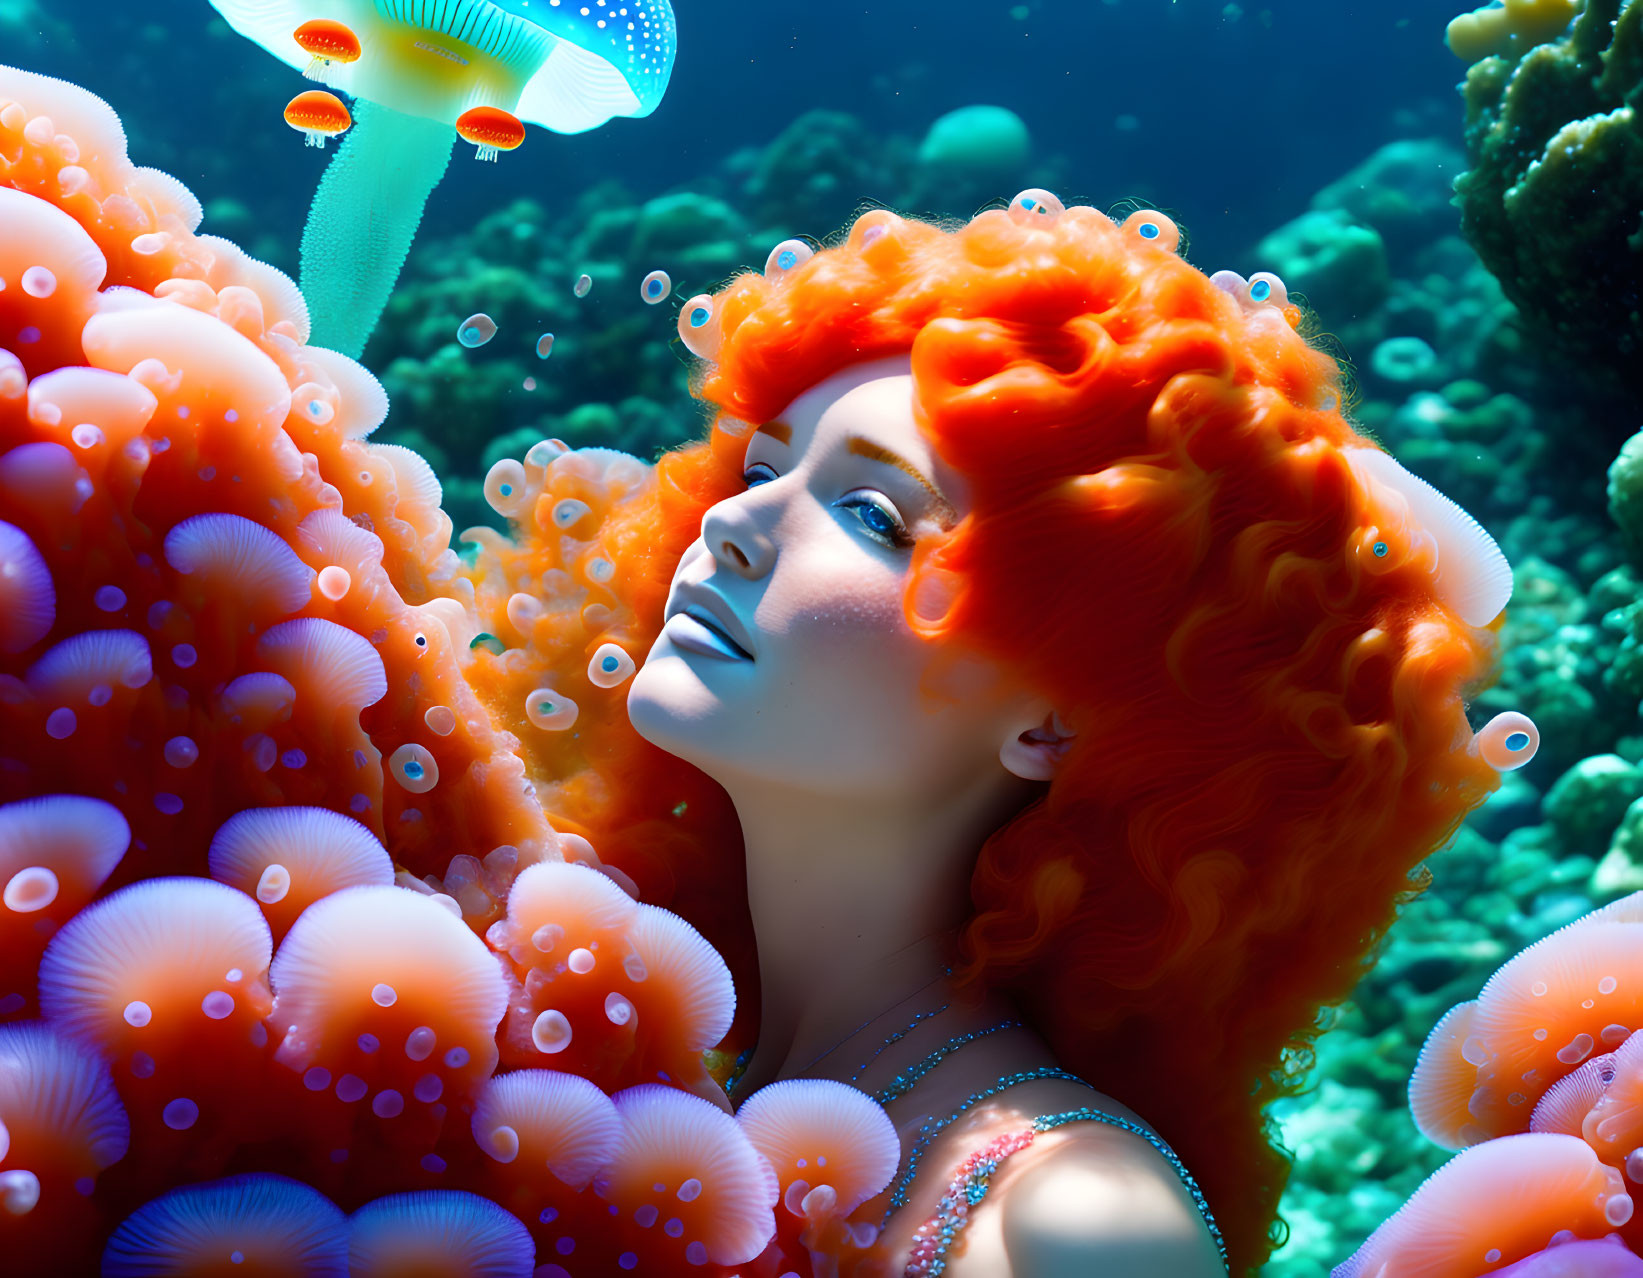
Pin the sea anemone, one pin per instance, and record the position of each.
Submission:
(271, 1225)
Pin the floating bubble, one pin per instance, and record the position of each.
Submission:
(583, 284)
(218, 1004)
(1035, 206)
(1508, 741)
(699, 326)
(31, 889)
(38, 281)
(274, 885)
(655, 287)
(476, 330)
(787, 256)
(414, 768)
(505, 487)
(568, 513)
(609, 666)
(1264, 286)
(333, 582)
(550, 710)
(544, 345)
(551, 1032)
(1156, 229)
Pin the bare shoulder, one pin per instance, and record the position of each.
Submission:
(1100, 1201)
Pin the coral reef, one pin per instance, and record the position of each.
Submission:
(386, 695)
(282, 895)
(1553, 197)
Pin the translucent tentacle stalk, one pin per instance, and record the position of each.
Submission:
(364, 217)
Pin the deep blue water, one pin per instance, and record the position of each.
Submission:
(1236, 115)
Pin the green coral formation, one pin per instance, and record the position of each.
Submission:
(1553, 201)
(1450, 376)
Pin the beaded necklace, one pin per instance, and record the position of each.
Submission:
(897, 1037)
(927, 1131)
(933, 1239)
(904, 1082)
(742, 1060)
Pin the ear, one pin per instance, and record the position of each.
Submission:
(1036, 753)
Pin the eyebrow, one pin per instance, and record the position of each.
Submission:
(862, 447)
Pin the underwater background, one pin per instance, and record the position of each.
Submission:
(1319, 141)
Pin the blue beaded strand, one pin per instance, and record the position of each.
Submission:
(898, 1036)
(904, 1082)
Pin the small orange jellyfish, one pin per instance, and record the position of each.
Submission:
(327, 41)
(491, 129)
(319, 114)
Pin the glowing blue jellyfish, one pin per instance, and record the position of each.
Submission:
(421, 69)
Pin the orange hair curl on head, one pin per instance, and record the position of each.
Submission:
(1164, 534)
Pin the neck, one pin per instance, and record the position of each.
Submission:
(855, 909)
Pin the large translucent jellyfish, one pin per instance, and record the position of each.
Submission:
(421, 68)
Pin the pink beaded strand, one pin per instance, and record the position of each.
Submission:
(932, 1239)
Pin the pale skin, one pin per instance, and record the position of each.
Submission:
(863, 802)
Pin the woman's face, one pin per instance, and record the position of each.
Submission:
(819, 685)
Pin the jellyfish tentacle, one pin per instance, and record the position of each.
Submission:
(364, 216)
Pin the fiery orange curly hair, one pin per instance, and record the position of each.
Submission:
(1270, 735)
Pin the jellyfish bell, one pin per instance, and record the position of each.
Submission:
(542, 64)
(423, 67)
(318, 114)
(328, 43)
(491, 129)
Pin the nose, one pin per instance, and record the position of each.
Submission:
(736, 541)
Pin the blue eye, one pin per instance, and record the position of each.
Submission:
(879, 522)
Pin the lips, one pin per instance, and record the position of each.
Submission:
(690, 632)
(698, 620)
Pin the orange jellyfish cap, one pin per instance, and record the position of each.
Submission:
(325, 38)
(490, 126)
(318, 111)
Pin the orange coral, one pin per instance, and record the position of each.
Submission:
(1553, 1134)
(272, 758)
